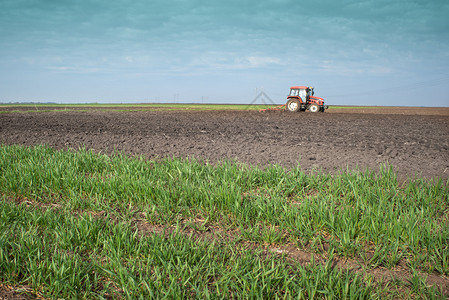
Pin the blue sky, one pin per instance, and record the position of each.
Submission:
(373, 52)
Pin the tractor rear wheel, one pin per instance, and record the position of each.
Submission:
(314, 108)
(293, 105)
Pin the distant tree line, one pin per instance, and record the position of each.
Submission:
(29, 103)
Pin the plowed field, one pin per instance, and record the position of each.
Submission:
(415, 141)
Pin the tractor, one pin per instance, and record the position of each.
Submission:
(301, 98)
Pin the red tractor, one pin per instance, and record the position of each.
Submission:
(301, 98)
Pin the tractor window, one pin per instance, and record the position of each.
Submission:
(294, 92)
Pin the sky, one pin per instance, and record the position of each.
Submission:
(366, 52)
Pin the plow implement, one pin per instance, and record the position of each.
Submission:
(280, 107)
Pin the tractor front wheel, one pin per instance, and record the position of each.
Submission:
(293, 105)
(314, 108)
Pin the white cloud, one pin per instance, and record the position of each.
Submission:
(74, 69)
(258, 61)
(231, 61)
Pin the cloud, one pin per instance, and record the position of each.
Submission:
(225, 61)
(257, 61)
(72, 69)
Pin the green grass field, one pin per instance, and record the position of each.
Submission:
(24, 108)
(126, 107)
(77, 224)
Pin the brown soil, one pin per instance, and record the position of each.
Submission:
(17, 293)
(414, 140)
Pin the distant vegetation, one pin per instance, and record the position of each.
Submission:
(128, 107)
(6, 108)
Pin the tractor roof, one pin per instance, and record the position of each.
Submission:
(300, 87)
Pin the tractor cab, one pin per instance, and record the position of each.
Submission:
(301, 98)
(303, 92)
